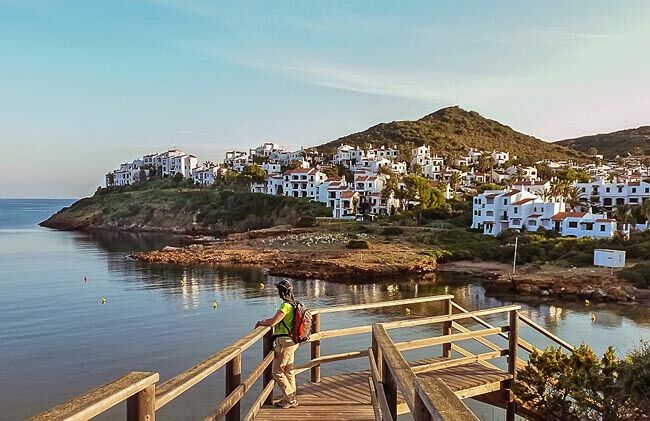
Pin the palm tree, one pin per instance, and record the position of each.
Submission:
(208, 164)
(573, 197)
(455, 180)
(545, 195)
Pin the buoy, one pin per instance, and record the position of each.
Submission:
(215, 305)
(587, 302)
(182, 281)
(103, 300)
(261, 285)
(593, 317)
(408, 310)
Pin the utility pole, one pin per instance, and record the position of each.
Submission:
(514, 259)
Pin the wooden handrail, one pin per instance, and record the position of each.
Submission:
(257, 405)
(175, 386)
(423, 343)
(455, 362)
(435, 401)
(235, 396)
(102, 398)
(522, 344)
(381, 304)
(356, 330)
(546, 333)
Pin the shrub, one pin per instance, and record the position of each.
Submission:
(634, 375)
(305, 221)
(392, 231)
(358, 244)
(638, 275)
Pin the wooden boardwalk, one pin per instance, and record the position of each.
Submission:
(347, 396)
(430, 389)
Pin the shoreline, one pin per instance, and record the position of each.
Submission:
(309, 253)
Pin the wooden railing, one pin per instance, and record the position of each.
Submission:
(389, 372)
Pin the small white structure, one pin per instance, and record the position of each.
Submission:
(609, 258)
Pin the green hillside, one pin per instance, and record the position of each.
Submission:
(453, 130)
(623, 142)
(183, 210)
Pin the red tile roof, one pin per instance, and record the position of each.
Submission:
(511, 193)
(560, 216)
(347, 194)
(522, 201)
(535, 215)
(605, 220)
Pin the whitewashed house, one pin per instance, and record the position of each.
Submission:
(205, 176)
(611, 194)
(303, 182)
(500, 158)
(584, 224)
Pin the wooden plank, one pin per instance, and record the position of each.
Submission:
(396, 367)
(437, 402)
(100, 399)
(373, 399)
(513, 345)
(381, 395)
(267, 348)
(446, 328)
(175, 386)
(422, 343)
(546, 333)
(481, 389)
(257, 405)
(458, 361)
(381, 304)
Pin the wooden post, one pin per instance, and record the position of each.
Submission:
(142, 405)
(390, 390)
(376, 351)
(446, 327)
(315, 349)
(233, 379)
(513, 343)
(267, 377)
(421, 412)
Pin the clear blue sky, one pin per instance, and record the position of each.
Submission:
(85, 85)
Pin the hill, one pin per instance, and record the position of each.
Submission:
(621, 143)
(183, 210)
(453, 130)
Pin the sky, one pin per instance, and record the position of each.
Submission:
(85, 85)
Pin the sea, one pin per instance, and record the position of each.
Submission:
(77, 312)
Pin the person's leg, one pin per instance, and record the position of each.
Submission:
(289, 369)
(280, 361)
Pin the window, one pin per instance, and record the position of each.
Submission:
(633, 189)
(589, 226)
(515, 210)
(573, 224)
(505, 201)
(602, 228)
(607, 189)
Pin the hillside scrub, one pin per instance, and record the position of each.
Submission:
(184, 210)
(449, 132)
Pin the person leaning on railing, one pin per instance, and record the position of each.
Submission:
(285, 348)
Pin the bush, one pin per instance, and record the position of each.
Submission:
(638, 275)
(392, 231)
(358, 244)
(634, 376)
(305, 221)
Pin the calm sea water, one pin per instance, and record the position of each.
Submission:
(57, 339)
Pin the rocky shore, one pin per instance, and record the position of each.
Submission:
(299, 254)
(592, 284)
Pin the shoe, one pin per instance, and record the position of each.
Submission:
(287, 404)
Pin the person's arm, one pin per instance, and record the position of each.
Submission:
(272, 321)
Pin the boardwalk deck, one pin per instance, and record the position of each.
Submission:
(347, 396)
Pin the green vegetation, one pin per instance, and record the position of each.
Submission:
(184, 209)
(449, 132)
(581, 386)
(632, 141)
(638, 275)
(358, 244)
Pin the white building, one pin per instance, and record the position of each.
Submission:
(303, 182)
(611, 194)
(500, 158)
(266, 149)
(495, 211)
(126, 174)
(584, 224)
(206, 176)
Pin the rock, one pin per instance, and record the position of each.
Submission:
(616, 293)
(170, 248)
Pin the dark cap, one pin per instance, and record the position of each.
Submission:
(284, 287)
